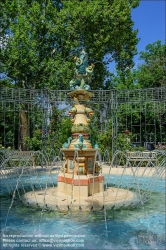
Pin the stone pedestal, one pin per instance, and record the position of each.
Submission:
(80, 185)
(81, 173)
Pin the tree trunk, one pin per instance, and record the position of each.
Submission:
(24, 130)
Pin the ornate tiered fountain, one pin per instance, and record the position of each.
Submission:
(80, 184)
(82, 171)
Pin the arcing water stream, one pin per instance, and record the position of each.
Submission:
(136, 223)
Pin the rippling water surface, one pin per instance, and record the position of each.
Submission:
(134, 228)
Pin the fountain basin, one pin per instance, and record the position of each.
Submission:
(51, 199)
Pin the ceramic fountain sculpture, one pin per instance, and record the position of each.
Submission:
(80, 184)
(82, 172)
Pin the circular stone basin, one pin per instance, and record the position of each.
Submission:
(53, 200)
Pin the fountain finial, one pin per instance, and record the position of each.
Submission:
(82, 73)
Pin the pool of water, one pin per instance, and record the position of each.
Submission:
(133, 228)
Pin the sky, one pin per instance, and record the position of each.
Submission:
(150, 19)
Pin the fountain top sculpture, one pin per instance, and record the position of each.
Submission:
(83, 72)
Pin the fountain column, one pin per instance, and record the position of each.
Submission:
(81, 172)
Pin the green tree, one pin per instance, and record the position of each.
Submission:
(59, 130)
(125, 79)
(60, 126)
(43, 36)
(152, 73)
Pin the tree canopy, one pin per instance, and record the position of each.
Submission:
(152, 73)
(44, 36)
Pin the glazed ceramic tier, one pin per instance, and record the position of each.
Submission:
(80, 95)
(82, 162)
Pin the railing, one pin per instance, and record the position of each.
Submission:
(29, 96)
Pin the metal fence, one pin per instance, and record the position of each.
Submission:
(140, 111)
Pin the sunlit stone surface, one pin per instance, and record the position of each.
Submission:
(50, 198)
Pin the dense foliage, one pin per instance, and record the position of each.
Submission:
(56, 136)
(40, 39)
(150, 73)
